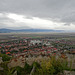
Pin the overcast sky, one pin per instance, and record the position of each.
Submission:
(37, 14)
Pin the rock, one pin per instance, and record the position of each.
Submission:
(1, 60)
(15, 73)
(69, 72)
(1, 68)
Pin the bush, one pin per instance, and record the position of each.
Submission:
(6, 70)
(19, 70)
(27, 68)
(52, 66)
(5, 57)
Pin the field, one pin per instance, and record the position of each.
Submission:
(7, 36)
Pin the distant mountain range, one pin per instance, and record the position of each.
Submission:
(29, 30)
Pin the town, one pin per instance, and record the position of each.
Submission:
(35, 48)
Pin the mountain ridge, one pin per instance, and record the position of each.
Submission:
(4, 30)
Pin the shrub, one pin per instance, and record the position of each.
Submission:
(5, 57)
(6, 70)
(52, 66)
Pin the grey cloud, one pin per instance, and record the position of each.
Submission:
(4, 19)
(69, 18)
(6, 22)
(55, 9)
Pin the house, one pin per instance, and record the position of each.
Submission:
(35, 41)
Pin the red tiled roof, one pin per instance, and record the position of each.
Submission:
(25, 50)
(8, 53)
(48, 52)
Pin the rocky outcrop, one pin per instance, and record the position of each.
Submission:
(19, 61)
(69, 72)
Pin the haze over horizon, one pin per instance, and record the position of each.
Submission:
(37, 14)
